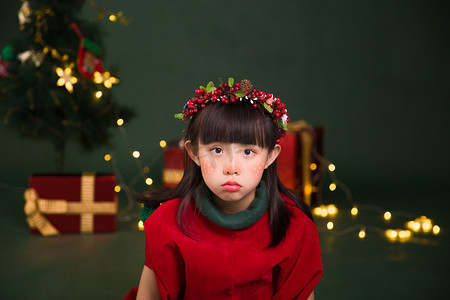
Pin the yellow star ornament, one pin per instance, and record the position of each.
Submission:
(66, 78)
(106, 78)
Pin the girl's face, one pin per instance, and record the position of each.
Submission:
(232, 171)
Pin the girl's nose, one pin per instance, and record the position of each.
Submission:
(231, 169)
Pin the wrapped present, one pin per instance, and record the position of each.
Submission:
(174, 163)
(299, 163)
(71, 203)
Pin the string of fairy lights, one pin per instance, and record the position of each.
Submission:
(102, 13)
(127, 213)
(414, 226)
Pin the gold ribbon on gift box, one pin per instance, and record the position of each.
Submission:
(305, 131)
(35, 207)
(172, 176)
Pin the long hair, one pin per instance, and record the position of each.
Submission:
(237, 122)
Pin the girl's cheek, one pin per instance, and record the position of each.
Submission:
(258, 170)
(207, 166)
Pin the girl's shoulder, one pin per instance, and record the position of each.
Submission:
(161, 227)
(297, 214)
(289, 202)
(164, 211)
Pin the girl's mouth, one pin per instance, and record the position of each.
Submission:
(231, 186)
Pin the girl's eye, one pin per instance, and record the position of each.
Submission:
(216, 150)
(248, 152)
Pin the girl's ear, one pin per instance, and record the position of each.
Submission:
(190, 151)
(273, 155)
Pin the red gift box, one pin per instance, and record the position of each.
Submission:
(175, 159)
(299, 163)
(71, 203)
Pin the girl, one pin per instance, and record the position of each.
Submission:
(230, 229)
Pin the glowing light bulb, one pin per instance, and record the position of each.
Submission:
(313, 167)
(107, 157)
(354, 211)
(117, 188)
(307, 190)
(317, 211)
(332, 187)
(387, 215)
(331, 167)
(112, 18)
(320, 211)
(403, 234)
(162, 144)
(136, 154)
(392, 234)
(414, 226)
(120, 122)
(323, 211)
(98, 94)
(330, 225)
(66, 78)
(332, 209)
(362, 233)
(426, 225)
(141, 225)
(436, 229)
(149, 181)
(98, 78)
(410, 225)
(109, 80)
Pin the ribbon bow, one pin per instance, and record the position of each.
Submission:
(34, 217)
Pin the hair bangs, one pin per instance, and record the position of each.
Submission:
(237, 122)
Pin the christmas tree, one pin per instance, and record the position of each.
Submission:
(52, 82)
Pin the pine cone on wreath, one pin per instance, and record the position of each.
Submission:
(246, 85)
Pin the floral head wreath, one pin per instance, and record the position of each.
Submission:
(232, 92)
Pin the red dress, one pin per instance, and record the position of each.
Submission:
(218, 263)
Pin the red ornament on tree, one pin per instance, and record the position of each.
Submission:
(89, 60)
(4, 66)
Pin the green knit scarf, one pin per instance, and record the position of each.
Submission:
(236, 221)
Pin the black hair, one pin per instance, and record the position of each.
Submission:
(237, 122)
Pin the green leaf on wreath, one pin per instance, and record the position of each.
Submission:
(268, 108)
(179, 116)
(210, 87)
(220, 80)
(230, 81)
(239, 93)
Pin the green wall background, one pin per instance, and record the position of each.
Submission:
(375, 74)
